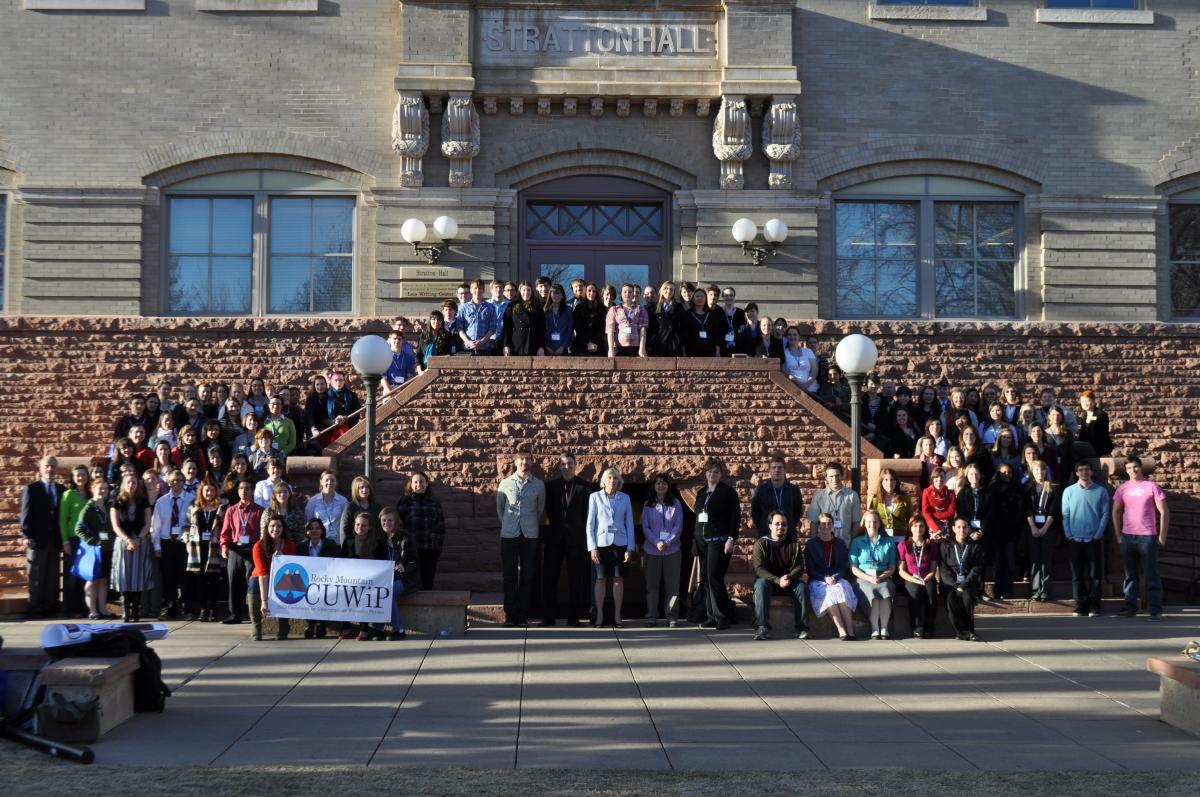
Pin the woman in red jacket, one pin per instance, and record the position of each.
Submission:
(938, 504)
(273, 543)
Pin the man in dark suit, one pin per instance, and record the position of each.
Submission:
(565, 539)
(40, 502)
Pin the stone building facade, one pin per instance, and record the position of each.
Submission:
(1000, 189)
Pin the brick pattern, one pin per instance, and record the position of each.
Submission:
(72, 375)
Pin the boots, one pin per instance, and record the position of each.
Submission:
(256, 617)
(126, 607)
(136, 611)
(284, 628)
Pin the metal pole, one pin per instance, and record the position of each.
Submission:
(372, 381)
(855, 381)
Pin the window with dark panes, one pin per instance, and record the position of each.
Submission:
(259, 241)
(929, 247)
(312, 250)
(1185, 260)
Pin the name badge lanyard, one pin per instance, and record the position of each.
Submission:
(962, 555)
(703, 322)
(704, 511)
(829, 557)
(920, 552)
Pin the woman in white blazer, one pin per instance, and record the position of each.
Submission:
(610, 540)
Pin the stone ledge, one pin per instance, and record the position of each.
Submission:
(1094, 16)
(928, 13)
(85, 5)
(1179, 668)
(269, 6)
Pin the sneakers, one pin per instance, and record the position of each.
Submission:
(802, 633)
(673, 624)
(1154, 617)
(1079, 613)
(363, 636)
(759, 634)
(884, 634)
(1093, 613)
(875, 635)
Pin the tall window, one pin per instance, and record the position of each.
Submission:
(3, 245)
(259, 242)
(926, 247)
(924, 2)
(1184, 220)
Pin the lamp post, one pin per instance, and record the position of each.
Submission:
(414, 231)
(744, 231)
(856, 355)
(371, 357)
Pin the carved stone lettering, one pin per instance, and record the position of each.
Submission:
(524, 34)
(410, 137)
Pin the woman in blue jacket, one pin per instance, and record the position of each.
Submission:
(610, 540)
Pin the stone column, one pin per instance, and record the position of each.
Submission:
(410, 137)
(781, 140)
(731, 140)
(460, 138)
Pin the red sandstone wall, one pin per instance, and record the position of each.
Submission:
(67, 379)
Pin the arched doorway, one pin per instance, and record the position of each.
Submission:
(606, 230)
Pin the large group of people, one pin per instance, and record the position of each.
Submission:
(193, 501)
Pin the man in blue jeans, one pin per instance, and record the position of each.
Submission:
(1134, 505)
(779, 567)
(1085, 513)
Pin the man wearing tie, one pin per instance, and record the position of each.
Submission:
(565, 540)
(40, 501)
(166, 529)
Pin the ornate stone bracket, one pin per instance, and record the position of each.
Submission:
(731, 140)
(460, 138)
(781, 140)
(410, 137)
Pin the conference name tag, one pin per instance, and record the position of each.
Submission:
(1039, 519)
(205, 536)
(555, 336)
(104, 536)
(664, 536)
(729, 337)
(702, 517)
(244, 539)
(317, 588)
(975, 524)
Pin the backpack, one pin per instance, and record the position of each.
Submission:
(149, 691)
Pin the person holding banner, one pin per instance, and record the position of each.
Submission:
(366, 541)
(317, 544)
(520, 502)
(272, 544)
(406, 578)
(94, 529)
(362, 499)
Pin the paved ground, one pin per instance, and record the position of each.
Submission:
(1040, 693)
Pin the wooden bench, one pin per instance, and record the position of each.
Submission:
(1179, 691)
(81, 680)
(427, 612)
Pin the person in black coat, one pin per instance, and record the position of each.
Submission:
(666, 324)
(40, 502)
(524, 325)
(718, 521)
(589, 316)
(962, 578)
(1093, 426)
(565, 540)
(316, 544)
(702, 329)
(401, 548)
(1006, 508)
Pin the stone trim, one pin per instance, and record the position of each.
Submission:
(85, 5)
(1027, 171)
(247, 161)
(614, 163)
(1094, 16)
(37, 195)
(278, 142)
(924, 13)
(261, 6)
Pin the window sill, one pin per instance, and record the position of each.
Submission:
(85, 5)
(260, 6)
(1094, 16)
(923, 13)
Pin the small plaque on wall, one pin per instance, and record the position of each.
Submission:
(428, 290)
(431, 273)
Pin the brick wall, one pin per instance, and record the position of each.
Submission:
(69, 378)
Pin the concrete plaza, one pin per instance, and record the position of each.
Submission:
(1038, 693)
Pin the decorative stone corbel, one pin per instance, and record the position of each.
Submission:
(676, 108)
(781, 140)
(597, 107)
(410, 137)
(489, 106)
(702, 108)
(650, 108)
(731, 140)
(516, 105)
(569, 106)
(460, 138)
(623, 108)
(543, 106)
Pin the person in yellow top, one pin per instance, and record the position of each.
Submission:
(892, 504)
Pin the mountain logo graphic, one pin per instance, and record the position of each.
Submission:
(291, 584)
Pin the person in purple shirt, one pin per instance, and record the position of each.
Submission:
(662, 522)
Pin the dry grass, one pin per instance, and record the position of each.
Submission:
(25, 773)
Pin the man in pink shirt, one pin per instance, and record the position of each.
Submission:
(1134, 505)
